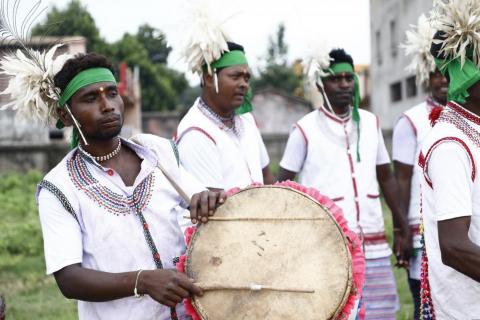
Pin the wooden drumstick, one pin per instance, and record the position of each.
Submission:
(261, 218)
(251, 287)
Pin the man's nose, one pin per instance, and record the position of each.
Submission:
(105, 104)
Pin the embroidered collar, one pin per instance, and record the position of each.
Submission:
(464, 112)
(236, 128)
(335, 117)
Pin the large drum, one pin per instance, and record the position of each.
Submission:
(272, 252)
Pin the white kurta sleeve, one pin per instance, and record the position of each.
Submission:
(295, 152)
(450, 172)
(200, 157)
(404, 142)
(382, 153)
(264, 158)
(62, 237)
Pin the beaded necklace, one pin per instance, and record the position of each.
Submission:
(236, 128)
(106, 157)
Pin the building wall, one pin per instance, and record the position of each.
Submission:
(275, 112)
(389, 20)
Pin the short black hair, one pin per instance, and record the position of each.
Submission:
(339, 55)
(235, 46)
(75, 65)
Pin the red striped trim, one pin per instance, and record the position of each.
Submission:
(378, 121)
(438, 142)
(373, 196)
(415, 229)
(197, 129)
(374, 238)
(463, 112)
(338, 199)
(336, 119)
(302, 132)
(411, 123)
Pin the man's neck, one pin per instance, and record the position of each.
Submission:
(341, 112)
(472, 106)
(215, 107)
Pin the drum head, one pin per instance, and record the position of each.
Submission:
(281, 253)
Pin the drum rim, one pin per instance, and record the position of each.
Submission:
(195, 300)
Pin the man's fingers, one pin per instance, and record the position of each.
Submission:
(187, 284)
(204, 206)
(212, 202)
(194, 208)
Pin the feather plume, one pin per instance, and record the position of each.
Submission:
(31, 86)
(459, 21)
(317, 62)
(206, 40)
(417, 45)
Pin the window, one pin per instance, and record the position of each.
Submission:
(378, 50)
(393, 38)
(411, 87)
(396, 91)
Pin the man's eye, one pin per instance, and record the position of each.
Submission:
(113, 93)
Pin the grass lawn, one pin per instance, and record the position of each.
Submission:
(29, 293)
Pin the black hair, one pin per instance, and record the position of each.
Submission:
(339, 55)
(235, 46)
(77, 64)
(436, 49)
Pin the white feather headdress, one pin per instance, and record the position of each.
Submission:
(417, 45)
(459, 21)
(317, 62)
(31, 87)
(206, 39)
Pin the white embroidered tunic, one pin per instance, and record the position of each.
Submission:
(451, 189)
(89, 216)
(217, 156)
(323, 150)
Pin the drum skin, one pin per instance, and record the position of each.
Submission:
(311, 254)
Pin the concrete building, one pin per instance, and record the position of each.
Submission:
(392, 89)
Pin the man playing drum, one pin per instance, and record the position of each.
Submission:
(339, 150)
(108, 213)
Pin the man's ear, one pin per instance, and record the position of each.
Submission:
(65, 116)
(207, 80)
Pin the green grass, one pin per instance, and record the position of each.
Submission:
(29, 293)
(406, 303)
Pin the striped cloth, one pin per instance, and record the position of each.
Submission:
(380, 291)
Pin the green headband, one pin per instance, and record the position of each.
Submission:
(83, 79)
(346, 67)
(461, 78)
(234, 58)
(230, 58)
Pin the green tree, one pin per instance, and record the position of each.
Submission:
(74, 20)
(161, 86)
(277, 72)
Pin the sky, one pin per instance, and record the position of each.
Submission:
(340, 23)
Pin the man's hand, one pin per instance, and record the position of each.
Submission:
(402, 245)
(168, 287)
(204, 204)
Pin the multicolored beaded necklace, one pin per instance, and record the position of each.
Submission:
(236, 128)
(115, 203)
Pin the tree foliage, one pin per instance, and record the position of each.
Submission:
(278, 72)
(147, 49)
